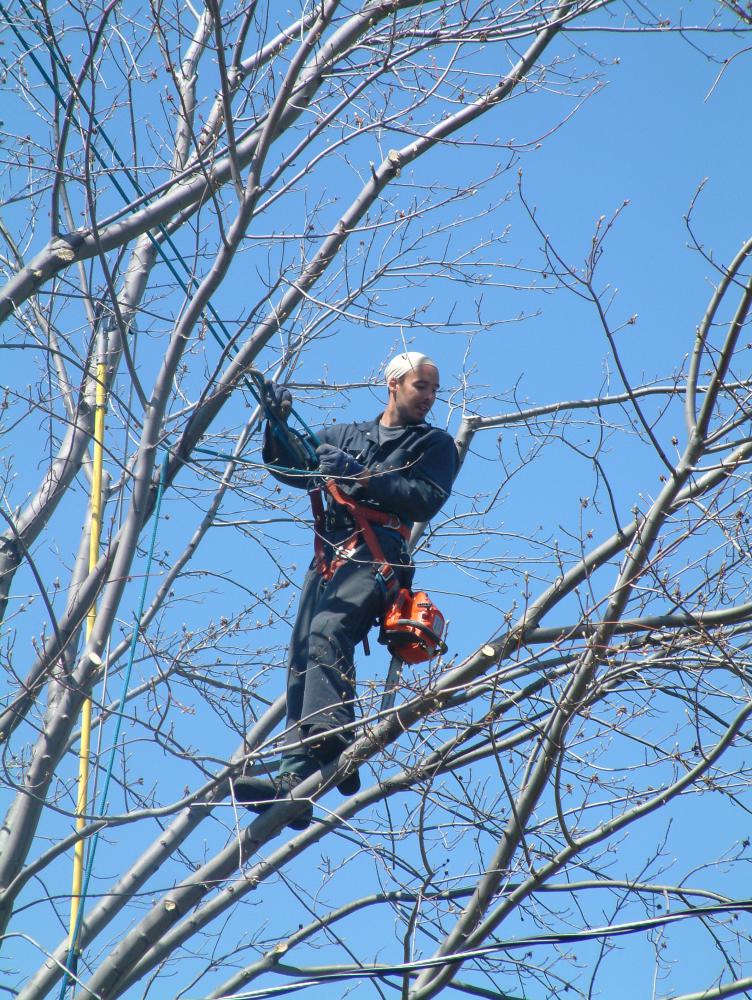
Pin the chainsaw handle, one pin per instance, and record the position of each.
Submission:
(429, 632)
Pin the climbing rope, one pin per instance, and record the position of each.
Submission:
(95, 531)
(300, 446)
(97, 128)
(73, 951)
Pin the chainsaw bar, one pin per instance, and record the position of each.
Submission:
(393, 678)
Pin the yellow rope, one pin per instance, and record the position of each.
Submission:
(83, 753)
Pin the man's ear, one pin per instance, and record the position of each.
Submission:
(392, 383)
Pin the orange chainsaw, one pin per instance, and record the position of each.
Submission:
(412, 629)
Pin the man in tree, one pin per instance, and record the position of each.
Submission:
(398, 469)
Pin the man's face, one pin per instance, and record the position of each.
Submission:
(415, 393)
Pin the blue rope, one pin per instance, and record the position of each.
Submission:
(71, 959)
(306, 440)
(226, 457)
(254, 381)
(165, 236)
(290, 439)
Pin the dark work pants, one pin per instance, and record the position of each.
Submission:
(333, 617)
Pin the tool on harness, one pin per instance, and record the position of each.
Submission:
(412, 627)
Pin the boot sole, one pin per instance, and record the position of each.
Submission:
(260, 794)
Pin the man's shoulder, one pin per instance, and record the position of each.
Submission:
(337, 431)
(423, 433)
(434, 436)
(439, 433)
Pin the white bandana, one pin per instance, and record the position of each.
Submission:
(404, 363)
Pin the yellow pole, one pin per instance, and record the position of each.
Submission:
(83, 754)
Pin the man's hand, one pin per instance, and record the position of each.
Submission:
(335, 463)
(279, 399)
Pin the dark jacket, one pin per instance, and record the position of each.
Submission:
(411, 475)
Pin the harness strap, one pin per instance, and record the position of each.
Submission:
(364, 518)
(319, 526)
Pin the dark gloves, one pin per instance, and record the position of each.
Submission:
(337, 463)
(279, 399)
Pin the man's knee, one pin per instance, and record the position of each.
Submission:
(330, 646)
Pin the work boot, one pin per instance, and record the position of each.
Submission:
(327, 747)
(351, 784)
(260, 794)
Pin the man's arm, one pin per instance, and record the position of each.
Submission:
(279, 465)
(416, 492)
(283, 464)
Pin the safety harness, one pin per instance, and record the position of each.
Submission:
(363, 519)
(412, 627)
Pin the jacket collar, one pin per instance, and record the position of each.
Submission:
(371, 425)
